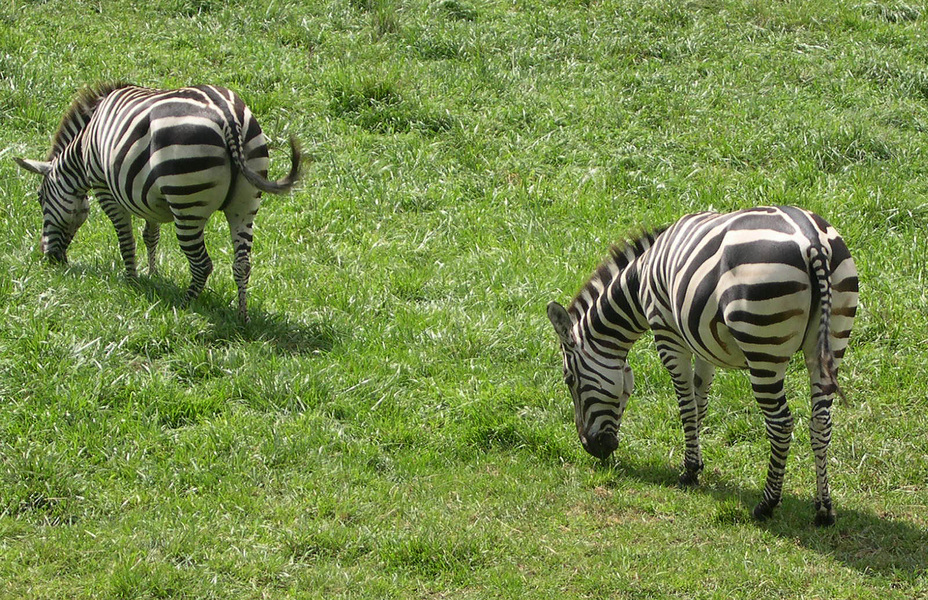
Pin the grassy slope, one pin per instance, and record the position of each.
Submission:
(392, 424)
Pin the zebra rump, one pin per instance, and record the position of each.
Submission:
(744, 290)
(163, 156)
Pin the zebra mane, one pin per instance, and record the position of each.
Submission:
(79, 113)
(620, 256)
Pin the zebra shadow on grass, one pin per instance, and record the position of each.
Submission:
(866, 541)
(285, 335)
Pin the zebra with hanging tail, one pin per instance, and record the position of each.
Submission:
(743, 290)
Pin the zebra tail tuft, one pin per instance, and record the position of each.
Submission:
(821, 274)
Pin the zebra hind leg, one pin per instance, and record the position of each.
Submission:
(151, 234)
(240, 215)
(821, 436)
(823, 392)
(241, 272)
(768, 391)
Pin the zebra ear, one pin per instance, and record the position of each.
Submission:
(34, 166)
(558, 316)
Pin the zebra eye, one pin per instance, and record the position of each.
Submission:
(569, 379)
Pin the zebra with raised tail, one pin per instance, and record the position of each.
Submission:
(164, 156)
(744, 290)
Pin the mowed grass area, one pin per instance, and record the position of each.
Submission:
(392, 423)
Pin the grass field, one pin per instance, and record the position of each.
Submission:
(392, 423)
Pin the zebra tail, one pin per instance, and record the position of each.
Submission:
(281, 186)
(821, 274)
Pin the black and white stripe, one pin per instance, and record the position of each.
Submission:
(164, 156)
(743, 290)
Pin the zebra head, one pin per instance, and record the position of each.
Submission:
(600, 386)
(64, 208)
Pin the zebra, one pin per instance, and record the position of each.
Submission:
(162, 155)
(744, 290)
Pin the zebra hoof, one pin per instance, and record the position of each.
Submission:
(690, 475)
(824, 515)
(764, 510)
(689, 478)
(189, 297)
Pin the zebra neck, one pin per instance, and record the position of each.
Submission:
(615, 320)
(71, 169)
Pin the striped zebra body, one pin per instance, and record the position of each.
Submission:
(744, 290)
(163, 156)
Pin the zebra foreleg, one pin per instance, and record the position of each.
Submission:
(122, 222)
(190, 237)
(679, 363)
(768, 390)
(703, 374)
(151, 234)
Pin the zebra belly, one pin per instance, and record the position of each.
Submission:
(720, 347)
(713, 341)
(190, 189)
(751, 335)
(156, 209)
(754, 314)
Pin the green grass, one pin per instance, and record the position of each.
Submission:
(392, 423)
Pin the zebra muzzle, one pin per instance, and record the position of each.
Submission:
(602, 445)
